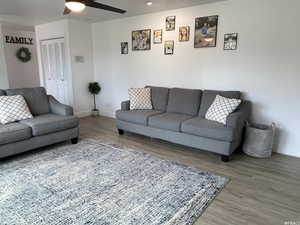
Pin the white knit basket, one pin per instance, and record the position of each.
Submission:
(259, 140)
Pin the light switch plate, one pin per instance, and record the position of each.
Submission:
(79, 59)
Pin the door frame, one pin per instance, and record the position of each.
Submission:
(68, 73)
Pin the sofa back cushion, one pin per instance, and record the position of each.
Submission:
(36, 98)
(184, 101)
(209, 96)
(159, 97)
(2, 92)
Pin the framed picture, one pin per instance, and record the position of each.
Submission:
(124, 48)
(170, 23)
(184, 33)
(230, 41)
(157, 36)
(206, 30)
(169, 47)
(141, 40)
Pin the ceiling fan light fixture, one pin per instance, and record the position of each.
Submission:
(149, 3)
(75, 6)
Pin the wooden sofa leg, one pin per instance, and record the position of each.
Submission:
(120, 131)
(225, 158)
(74, 141)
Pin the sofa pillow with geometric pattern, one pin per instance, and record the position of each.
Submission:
(140, 98)
(13, 108)
(221, 108)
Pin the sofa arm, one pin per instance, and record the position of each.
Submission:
(60, 109)
(238, 119)
(125, 106)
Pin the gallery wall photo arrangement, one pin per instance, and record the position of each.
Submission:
(169, 47)
(141, 40)
(124, 48)
(206, 30)
(157, 36)
(230, 41)
(170, 23)
(184, 33)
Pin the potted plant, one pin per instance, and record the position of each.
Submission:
(94, 89)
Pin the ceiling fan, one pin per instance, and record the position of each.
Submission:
(79, 5)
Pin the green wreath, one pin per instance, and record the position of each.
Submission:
(23, 54)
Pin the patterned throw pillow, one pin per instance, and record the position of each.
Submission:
(13, 108)
(221, 108)
(140, 98)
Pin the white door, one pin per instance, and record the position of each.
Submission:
(54, 69)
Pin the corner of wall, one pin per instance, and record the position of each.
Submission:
(3, 69)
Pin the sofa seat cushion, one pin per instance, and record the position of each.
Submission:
(168, 121)
(50, 123)
(14, 132)
(2, 92)
(209, 129)
(136, 116)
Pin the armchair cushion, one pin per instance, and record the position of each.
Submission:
(36, 99)
(50, 123)
(136, 116)
(58, 108)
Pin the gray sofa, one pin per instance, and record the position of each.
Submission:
(53, 122)
(178, 116)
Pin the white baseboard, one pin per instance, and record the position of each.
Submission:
(107, 113)
(83, 114)
(103, 112)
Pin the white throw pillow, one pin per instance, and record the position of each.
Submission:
(13, 108)
(140, 98)
(221, 108)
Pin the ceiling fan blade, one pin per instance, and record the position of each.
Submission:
(97, 5)
(67, 11)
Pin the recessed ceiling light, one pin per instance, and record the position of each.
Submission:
(149, 3)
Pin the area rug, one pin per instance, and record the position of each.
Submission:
(97, 184)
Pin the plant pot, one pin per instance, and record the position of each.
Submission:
(95, 112)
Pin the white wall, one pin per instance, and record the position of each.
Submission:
(80, 37)
(20, 75)
(265, 67)
(78, 42)
(3, 71)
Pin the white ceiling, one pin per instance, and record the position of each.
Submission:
(32, 12)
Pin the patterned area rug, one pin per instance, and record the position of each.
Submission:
(97, 184)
